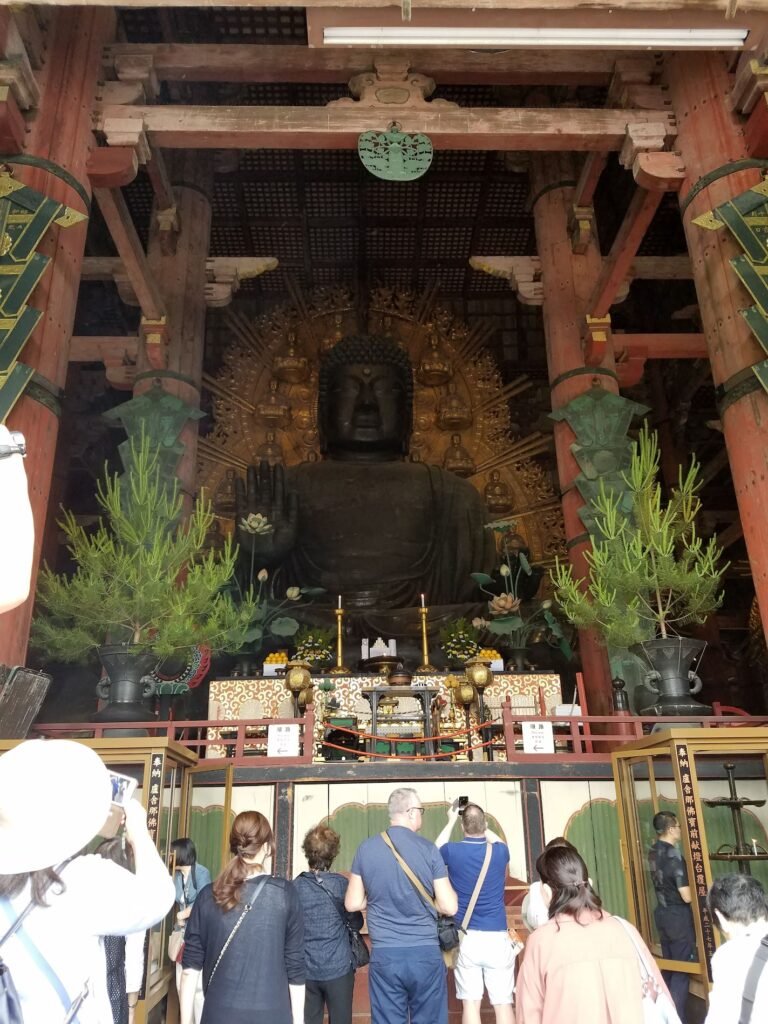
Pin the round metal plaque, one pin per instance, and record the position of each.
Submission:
(393, 155)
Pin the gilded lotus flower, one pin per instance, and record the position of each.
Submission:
(504, 604)
(255, 523)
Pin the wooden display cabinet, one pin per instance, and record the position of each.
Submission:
(714, 781)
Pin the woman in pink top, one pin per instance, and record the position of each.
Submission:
(581, 967)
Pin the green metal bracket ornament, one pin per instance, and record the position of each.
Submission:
(25, 216)
(600, 420)
(159, 416)
(393, 155)
(746, 217)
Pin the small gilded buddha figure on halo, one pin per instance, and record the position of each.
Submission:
(457, 459)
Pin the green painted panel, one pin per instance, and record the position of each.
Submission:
(594, 831)
(355, 822)
(206, 826)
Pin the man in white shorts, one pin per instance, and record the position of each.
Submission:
(487, 954)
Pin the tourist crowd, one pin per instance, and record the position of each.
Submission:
(253, 948)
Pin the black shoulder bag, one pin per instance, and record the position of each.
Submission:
(357, 947)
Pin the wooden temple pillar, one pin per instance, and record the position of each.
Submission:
(61, 133)
(172, 353)
(567, 281)
(710, 139)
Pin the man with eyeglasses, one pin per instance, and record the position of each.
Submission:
(673, 917)
(406, 976)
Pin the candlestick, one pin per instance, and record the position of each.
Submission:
(424, 669)
(339, 604)
(423, 605)
(340, 668)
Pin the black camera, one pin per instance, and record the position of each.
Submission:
(463, 801)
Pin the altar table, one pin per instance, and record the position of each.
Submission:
(267, 697)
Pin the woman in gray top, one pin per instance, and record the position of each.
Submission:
(330, 973)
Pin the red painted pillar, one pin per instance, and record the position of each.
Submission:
(567, 281)
(709, 138)
(61, 132)
(181, 277)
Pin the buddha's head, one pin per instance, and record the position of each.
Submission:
(365, 399)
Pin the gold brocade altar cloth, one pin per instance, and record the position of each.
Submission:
(268, 697)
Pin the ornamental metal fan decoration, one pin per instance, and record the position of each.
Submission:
(393, 155)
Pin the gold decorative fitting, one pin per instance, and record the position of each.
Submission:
(297, 676)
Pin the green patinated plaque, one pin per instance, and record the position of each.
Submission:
(393, 155)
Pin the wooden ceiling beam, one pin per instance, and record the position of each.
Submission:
(338, 127)
(661, 346)
(544, 7)
(250, 62)
(104, 349)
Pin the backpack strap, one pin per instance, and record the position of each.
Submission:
(478, 886)
(753, 977)
(71, 1007)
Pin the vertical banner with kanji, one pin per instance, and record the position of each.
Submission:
(690, 819)
(154, 789)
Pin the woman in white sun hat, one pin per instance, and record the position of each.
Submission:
(55, 795)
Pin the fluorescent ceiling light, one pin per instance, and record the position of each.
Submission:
(516, 38)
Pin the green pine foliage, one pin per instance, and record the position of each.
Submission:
(143, 577)
(650, 572)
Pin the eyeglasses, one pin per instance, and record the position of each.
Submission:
(419, 809)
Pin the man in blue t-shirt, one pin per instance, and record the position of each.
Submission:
(487, 954)
(406, 975)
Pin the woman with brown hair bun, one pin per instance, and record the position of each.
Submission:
(252, 963)
(331, 975)
(583, 965)
(535, 910)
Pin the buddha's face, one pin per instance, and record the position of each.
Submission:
(366, 411)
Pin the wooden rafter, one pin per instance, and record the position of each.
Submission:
(338, 127)
(616, 266)
(134, 259)
(250, 62)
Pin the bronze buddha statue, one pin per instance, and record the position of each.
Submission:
(364, 522)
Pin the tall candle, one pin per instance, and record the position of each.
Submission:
(339, 600)
(422, 601)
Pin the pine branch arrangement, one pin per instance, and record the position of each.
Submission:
(650, 572)
(143, 577)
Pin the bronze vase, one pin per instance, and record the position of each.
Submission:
(128, 684)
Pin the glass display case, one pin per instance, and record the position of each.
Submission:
(714, 782)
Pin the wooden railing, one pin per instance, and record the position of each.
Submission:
(592, 737)
(577, 738)
(242, 738)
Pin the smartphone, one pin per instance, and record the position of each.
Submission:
(463, 801)
(123, 788)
